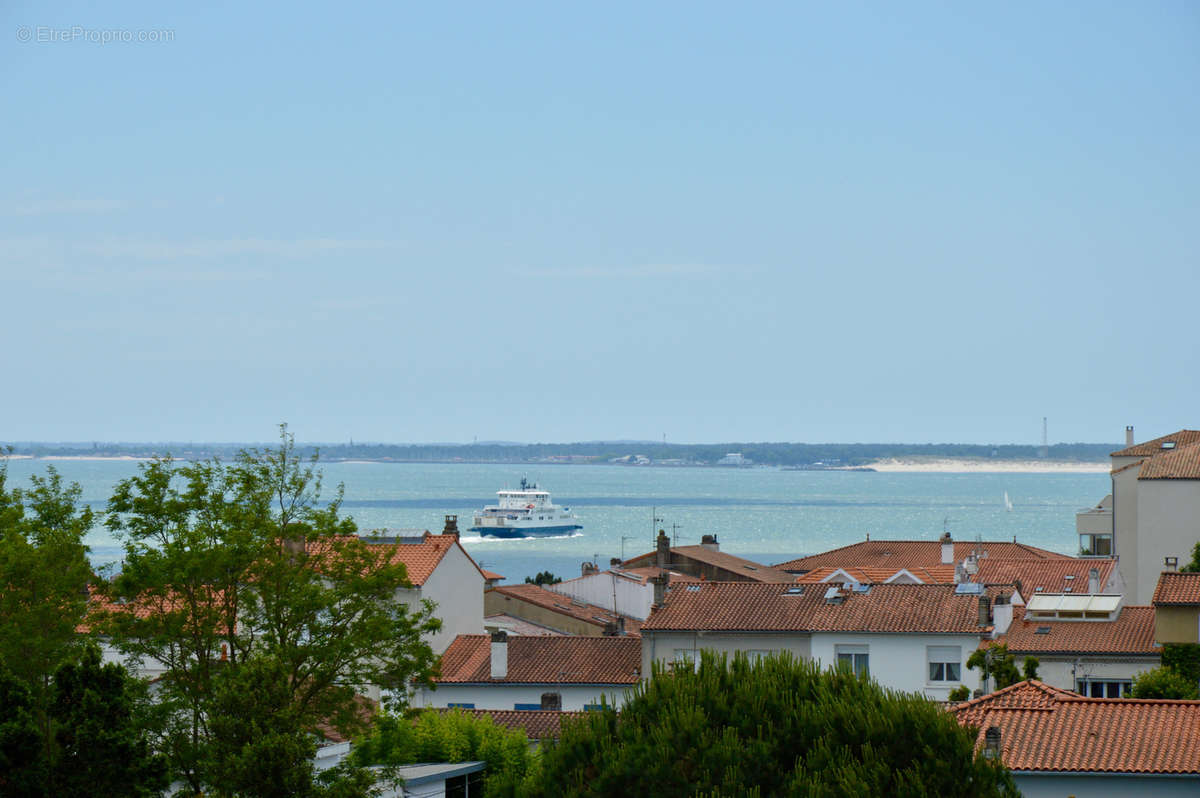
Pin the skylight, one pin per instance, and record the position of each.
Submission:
(1042, 630)
(1168, 444)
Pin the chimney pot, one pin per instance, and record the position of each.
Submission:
(710, 542)
(985, 607)
(662, 549)
(660, 588)
(1171, 563)
(1093, 580)
(499, 655)
(1129, 435)
(947, 549)
(451, 527)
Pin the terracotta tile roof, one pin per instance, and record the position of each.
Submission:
(1177, 588)
(421, 559)
(1044, 729)
(748, 606)
(1131, 633)
(747, 569)
(897, 554)
(564, 605)
(538, 724)
(567, 659)
(934, 575)
(1180, 463)
(1151, 448)
(647, 573)
(98, 607)
(518, 626)
(490, 575)
(1049, 575)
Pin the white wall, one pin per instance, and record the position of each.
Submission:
(506, 696)
(1103, 785)
(632, 597)
(899, 661)
(457, 587)
(1057, 672)
(1168, 523)
(1125, 527)
(661, 646)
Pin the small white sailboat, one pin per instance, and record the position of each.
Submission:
(1007, 502)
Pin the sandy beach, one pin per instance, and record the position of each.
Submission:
(979, 465)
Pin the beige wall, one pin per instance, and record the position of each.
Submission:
(1168, 524)
(495, 603)
(1177, 624)
(1125, 526)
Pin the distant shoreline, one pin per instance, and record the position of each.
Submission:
(891, 465)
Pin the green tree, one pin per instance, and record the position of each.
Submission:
(1163, 682)
(960, 693)
(994, 662)
(22, 749)
(543, 578)
(777, 727)
(1029, 668)
(1193, 566)
(454, 736)
(227, 562)
(1183, 658)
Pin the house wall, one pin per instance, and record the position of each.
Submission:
(495, 603)
(1177, 624)
(633, 598)
(145, 668)
(1125, 527)
(661, 646)
(1103, 785)
(1064, 671)
(456, 585)
(900, 661)
(1168, 524)
(507, 696)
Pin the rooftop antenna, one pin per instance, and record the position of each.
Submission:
(623, 539)
(946, 522)
(675, 534)
(654, 522)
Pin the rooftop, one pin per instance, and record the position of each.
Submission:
(421, 556)
(1179, 588)
(1131, 633)
(1047, 729)
(1042, 575)
(1179, 463)
(934, 575)
(911, 554)
(1150, 448)
(749, 569)
(884, 608)
(564, 605)
(538, 724)
(545, 660)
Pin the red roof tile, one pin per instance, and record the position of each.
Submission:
(1151, 448)
(517, 626)
(886, 608)
(1131, 633)
(538, 724)
(421, 559)
(1180, 463)
(747, 569)
(1177, 588)
(545, 660)
(564, 605)
(1044, 729)
(911, 554)
(935, 575)
(1048, 575)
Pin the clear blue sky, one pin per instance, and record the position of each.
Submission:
(556, 222)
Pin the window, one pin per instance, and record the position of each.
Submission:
(854, 658)
(945, 663)
(453, 704)
(1095, 545)
(686, 656)
(1104, 688)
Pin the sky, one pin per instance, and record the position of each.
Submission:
(850, 222)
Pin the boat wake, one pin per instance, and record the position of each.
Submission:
(488, 539)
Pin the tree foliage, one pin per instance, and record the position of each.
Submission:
(1193, 566)
(994, 662)
(779, 726)
(543, 578)
(226, 563)
(1163, 682)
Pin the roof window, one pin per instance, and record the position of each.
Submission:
(693, 588)
(1168, 444)
(1042, 630)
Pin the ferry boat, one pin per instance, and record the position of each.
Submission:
(524, 513)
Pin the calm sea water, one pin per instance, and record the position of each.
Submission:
(763, 514)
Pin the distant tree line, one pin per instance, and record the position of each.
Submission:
(775, 454)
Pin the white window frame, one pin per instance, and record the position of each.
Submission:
(859, 657)
(944, 657)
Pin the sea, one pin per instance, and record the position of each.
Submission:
(764, 514)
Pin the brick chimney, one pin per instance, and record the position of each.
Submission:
(662, 549)
(451, 527)
(660, 588)
(499, 655)
(1129, 435)
(985, 607)
(947, 549)
(710, 542)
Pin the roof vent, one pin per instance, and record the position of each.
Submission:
(991, 743)
(794, 590)
(1069, 577)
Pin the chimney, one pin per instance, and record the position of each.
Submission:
(1002, 612)
(985, 606)
(1129, 435)
(451, 527)
(1093, 581)
(614, 562)
(710, 542)
(589, 568)
(662, 549)
(1170, 563)
(620, 626)
(552, 701)
(499, 655)
(960, 573)
(947, 549)
(660, 588)
(991, 743)
(610, 629)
